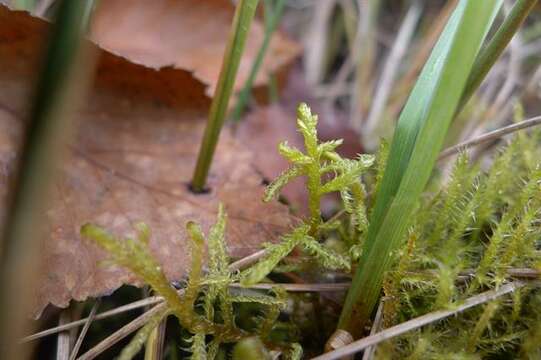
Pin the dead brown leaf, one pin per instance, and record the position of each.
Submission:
(261, 131)
(186, 34)
(132, 159)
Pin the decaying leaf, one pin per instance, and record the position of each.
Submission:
(262, 131)
(131, 161)
(186, 34)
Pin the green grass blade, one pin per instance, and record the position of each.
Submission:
(418, 138)
(495, 47)
(270, 27)
(244, 15)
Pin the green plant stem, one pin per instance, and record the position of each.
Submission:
(495, 47)
(61, 85)
(314, 198)
(270, 27)
(244, 15)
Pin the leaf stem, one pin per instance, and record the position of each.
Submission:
(244, 14)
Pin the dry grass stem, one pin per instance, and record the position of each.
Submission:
(418, 322)
(490, 136)
(82, 335)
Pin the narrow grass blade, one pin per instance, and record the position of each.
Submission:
(495, 47)
(270, 27)
(244, 15)
(417, 141)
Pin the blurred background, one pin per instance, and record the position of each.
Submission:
(360, 59)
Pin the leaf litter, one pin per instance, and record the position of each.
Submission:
(131, 161)
(187, 34)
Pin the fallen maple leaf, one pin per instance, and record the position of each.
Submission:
(187, 34)
(131, 161)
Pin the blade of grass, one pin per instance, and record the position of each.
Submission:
(244, 15)
(417, 141)
(60, 87)
(270, 27)
(495, 47)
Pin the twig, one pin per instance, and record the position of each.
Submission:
(248, 260)
(106, 314)
(154, 347)
(300, 287)
(63, 340)
(82, 335)
(492, 135)
(369, 352)
(521, 273)
(364, 64)
(238, 265)
(418, 322)
(122, 332)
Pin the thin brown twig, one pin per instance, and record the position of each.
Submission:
(106, 314)
(122, 332)
(63, 339)
(376, 326)
(300, 287)
(492, 135)
(418, 322)
(82, 335)
(248, 260)
(162, 306)
(521, 273)
(238, 265)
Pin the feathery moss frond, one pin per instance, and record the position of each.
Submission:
(198, 348)
(479, 224)
(319, 161)
(275, 253)
(295, 352)
(135, 256)
(210, 290)
(327, 258)
(293, 154)
(282, 180)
